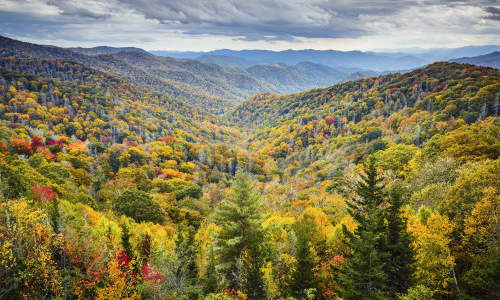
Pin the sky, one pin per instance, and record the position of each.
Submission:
(202, 25)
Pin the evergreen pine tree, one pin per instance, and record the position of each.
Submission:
(190, 254)
(303, 278)
(187, 270)
(127, 247)
(401, 255)
(211, 273)
(253, 282)
(240, 238)
(363, 274)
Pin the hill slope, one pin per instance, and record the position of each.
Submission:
(205, 85)
(210, 86)
(489, 60)
(354, 99)
(303, 76)
(350, 120)
(55, 90)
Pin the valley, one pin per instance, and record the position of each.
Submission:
(248, 174)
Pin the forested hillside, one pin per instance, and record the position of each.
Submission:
(203, 85)
(210, 83)
(88, 103)
(302, 76)
(432, 88)
(212, 87)
(380, 188)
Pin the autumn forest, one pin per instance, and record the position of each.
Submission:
(126, 175)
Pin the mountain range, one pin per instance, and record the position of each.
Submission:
(216, 80)
(206, 84)
(384, 60)
(488, 60)
(331, 58)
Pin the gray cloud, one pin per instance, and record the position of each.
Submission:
(290, 21)
(284, 19)
(257, 19)
(92, 10)
(494, 13)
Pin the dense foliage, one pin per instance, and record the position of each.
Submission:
(379, 188)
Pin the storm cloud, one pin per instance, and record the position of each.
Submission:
(256, 22)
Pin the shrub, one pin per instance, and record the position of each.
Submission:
(21, 147)
(139, 206)
(193, 191)
(57, 173)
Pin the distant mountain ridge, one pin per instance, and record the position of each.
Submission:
(489, 60)
(105, 50)
(331, 58)
(227, 60)
(445, 54)
(384, 60)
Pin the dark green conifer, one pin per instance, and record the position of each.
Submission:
(303, 279)
(127, 247)
(363, 275)
(240, 238)
(187, 270)
(211, 273)
(401, 254)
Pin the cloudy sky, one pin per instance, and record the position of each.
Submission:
(253, 24)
